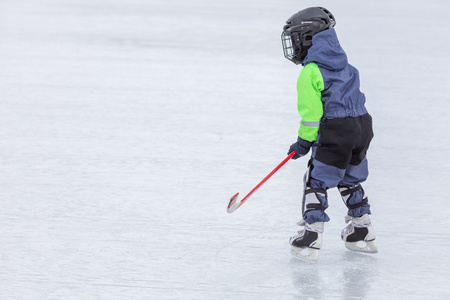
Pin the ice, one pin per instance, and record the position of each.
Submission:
(127, 125)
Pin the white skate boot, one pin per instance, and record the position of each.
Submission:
(306, 244)
(359, 234)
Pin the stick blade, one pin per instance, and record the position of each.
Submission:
(233, 204)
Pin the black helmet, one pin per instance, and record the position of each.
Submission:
(300, 28)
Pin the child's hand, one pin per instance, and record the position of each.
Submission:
(301, 148)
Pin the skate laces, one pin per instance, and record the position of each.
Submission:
(347, 219)
(363, 221)
(356, 222)
(308, 227)
(348, 228)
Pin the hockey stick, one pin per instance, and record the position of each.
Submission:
(235, 204)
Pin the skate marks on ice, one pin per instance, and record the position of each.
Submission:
(338, 275)
(262, 260)
(357, 275)
(258, 234)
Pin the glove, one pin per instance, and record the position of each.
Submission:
(301, 148)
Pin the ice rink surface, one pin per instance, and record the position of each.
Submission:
(126, 126)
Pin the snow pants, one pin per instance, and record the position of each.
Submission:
(338, 160)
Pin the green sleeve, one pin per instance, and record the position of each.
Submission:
(309, 87)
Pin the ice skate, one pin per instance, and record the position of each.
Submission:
(306, 244)
(359, 234)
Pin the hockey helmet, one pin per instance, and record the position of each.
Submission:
(300, 28)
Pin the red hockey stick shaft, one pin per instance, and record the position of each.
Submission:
(232, 206)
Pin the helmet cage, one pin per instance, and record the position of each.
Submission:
(296, 40)
(288, 46)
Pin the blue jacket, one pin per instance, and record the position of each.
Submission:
(328, 86)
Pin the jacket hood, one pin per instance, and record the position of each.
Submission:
(326, 51)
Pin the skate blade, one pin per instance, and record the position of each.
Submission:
(306, 254)
(362, 246)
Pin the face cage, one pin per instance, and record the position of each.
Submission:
(290, 50)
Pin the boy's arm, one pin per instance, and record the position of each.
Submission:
(309, 87)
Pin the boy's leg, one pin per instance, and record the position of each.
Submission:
(319, 178)
(357, 171)
(351, 190)
(358, 234)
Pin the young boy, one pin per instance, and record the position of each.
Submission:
(336, 125)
